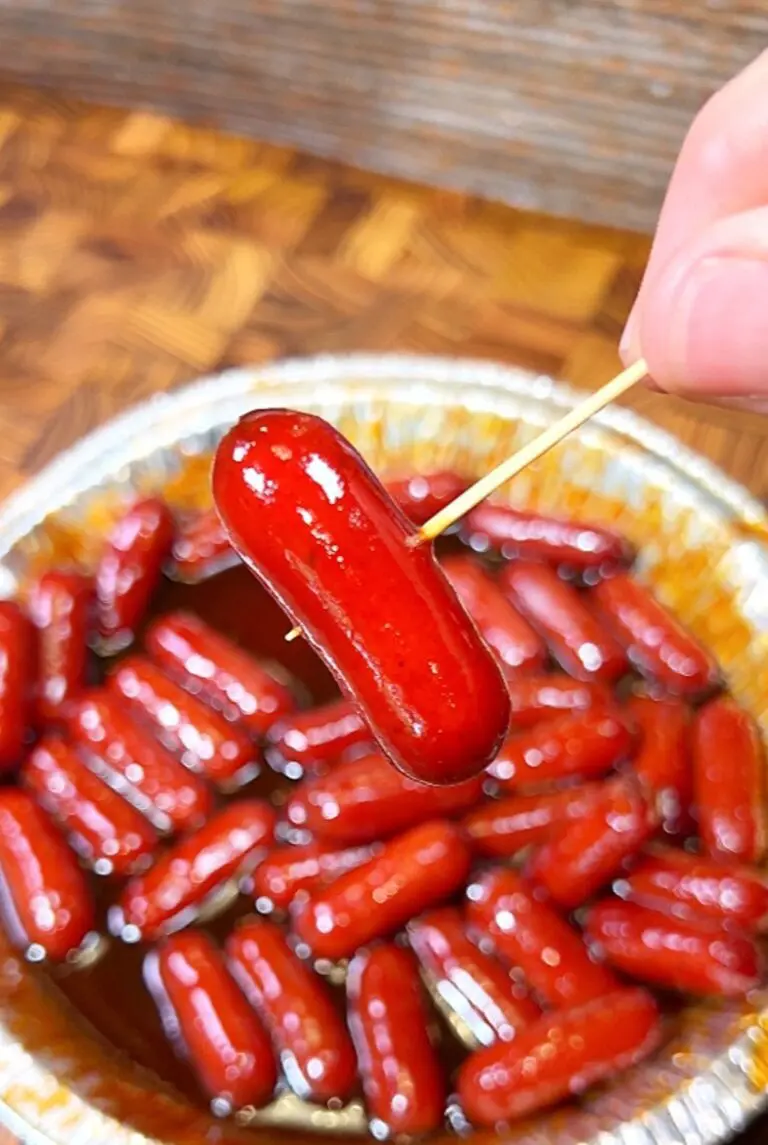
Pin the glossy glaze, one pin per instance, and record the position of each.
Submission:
(559, 1057)
(513, 532)
(412, 872)
(320, 531)
(500, 828)
(518, 647)
(473, 986)
(17, 682)
(583, 745)
(60, 607)
(209, 665)
(108, 991)
(530, 936)
(129, 570)
(108, 833)
(294, 1003)
(690, 886)
(420, 496)
(675, 954)
(367, 799)
(405, 1089)
(172, 893)
(209, 1022)
(304, 741)
(287, 870)
(662, 760)
(584, 853)
(577, 639)
(131, 760)
(658, 646)
(200, 548)
(46, 904)
(203, 739)
(544, 697)
(729, 782)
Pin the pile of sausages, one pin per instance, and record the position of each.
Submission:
(576, 813)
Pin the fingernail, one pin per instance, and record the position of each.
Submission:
(628, 347)
(709, 333)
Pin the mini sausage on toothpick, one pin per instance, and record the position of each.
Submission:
(319, 529)
(311, 520)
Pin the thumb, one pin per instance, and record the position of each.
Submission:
(701, 321)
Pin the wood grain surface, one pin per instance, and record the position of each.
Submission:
(576, 107)
(137, 253)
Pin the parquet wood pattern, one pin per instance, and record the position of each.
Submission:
(137, 252)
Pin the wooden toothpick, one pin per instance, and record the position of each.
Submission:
(530, 452)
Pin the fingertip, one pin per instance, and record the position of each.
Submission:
(703, 327)
(629, 346)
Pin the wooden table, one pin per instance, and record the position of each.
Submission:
(137, 253)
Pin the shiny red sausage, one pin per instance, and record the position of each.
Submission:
(60, 608)
(675, 954)
(528, 934)
(501, 828)
(46, 904)
(129, 570)
(559, 1057)
(209, 1022)
(576, 638)
(663, 759)
(214, 668)
(178, 887)
(515, 532)
(304, 741)
(509, 634)
(689, 886)
(287, 870)
(586, 745)
(200, 549)
(366, 799)
(412, 872)
(405, 1091)
(17, 682)
(656, 643)
(420, 496)
(297, 1009)
(585, 853)
(109, 834)
(729, 782)
(132, 761)
(317, 527)
(474, 986)
(538, 698)
(203, 739)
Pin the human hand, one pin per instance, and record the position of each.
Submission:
(701, 317)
